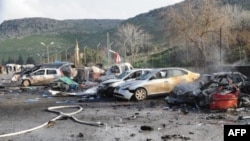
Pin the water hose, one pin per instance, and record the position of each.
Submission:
(61, 114)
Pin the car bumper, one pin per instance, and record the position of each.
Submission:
(179, 99)
(171, 100)
(123, 94)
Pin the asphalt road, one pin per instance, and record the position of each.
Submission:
(149, 120)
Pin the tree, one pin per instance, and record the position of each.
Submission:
(3, 61)
(132, 39)
(30, 60)
(20, 60)
(10, 60)
(199, 22)
(241, 30)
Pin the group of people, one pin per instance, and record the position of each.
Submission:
(9, 69)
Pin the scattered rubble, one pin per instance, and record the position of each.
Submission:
(86, 91)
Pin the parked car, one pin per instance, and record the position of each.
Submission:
(42, 76)
(107, 87)
(157, 82)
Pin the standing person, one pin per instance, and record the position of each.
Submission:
(21, 67)
(7, 69)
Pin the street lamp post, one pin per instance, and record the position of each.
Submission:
(109, 48)
(97, 52)
(40, 57)
(85, 57)
(47, 47)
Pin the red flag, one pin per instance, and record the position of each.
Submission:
(117, 57)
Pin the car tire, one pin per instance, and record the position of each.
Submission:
(26, 83)
(140, 94)
(109, 92)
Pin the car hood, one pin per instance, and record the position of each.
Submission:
(111, 81)
(132, 82)
(107, 77)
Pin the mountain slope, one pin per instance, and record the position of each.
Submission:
(34, 26)
(23, 36)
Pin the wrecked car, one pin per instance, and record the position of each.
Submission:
(240, 79)
(67, 68)
(42, 76)
(16, 76)
(63, 83)
(223, 95)
(188, 92)
(107, 87)
(216, 91)
(115, 70)
(159, 81)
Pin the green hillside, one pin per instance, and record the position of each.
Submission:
(167, 47)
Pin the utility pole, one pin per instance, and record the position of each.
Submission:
(77, 56)
(220, 44)
(108, 48)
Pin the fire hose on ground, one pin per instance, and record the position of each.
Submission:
(61, 115)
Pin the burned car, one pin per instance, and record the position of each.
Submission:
(107, 87)
(188, 92)
(159, 81)
(43, 74)
(68, 69)
(240, 79)
(205, 90)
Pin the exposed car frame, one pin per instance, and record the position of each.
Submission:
(188, 93)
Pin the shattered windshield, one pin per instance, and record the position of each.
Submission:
(145, 76)
(122, 75)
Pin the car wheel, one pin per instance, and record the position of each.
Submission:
(26, 83)
(109, 92)
(140, 94)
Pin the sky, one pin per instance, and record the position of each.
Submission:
(78, 9)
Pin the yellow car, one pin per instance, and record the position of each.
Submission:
(157, 82)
